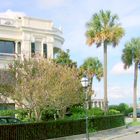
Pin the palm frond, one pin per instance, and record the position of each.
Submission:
(104, 27)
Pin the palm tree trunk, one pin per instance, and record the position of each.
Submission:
(105, 79)
(90, 92)
(135, 93)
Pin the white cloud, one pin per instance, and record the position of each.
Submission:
(12, 14)
(118, 92)
(47, 4)
(118, 69)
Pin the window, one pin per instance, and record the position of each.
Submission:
(32, 49)
(7, 106)
(45, 50)
(19, 48)
(7, 46)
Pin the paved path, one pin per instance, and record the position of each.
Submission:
(130, 137)
(112, 134)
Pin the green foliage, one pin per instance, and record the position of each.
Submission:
(95, 112)
(48, 114)
(8, 112)
(44, 130)
(59, 128)
(134, 123)
(5, 88)
(104, 27)
(23, 114)
(107, 122)
(113, 107)
(79, 112)
(62, 128)
(113, 112)
(43, 83)
(122, 108)
(93, 68)
(63, 58)
(131, 52)
(129, 110)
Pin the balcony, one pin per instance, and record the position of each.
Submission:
(7, 58)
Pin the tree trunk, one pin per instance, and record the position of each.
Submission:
(37, 114)
(135, 93)
(30, 114)
(105, 79)
(61, 113)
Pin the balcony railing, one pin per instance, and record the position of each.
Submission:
(7, 58)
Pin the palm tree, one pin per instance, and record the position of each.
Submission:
(104, 29)
(131, 54)
(93, 68)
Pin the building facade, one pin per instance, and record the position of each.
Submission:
(22, 36)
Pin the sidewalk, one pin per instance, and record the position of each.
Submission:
(105, 134)
(114, 133)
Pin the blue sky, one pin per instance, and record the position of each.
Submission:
(72, 16)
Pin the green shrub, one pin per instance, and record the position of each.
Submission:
(48, 114)
(59, 128)
(23, 114)
(129, 110)
(95, 112)
(106, 122)
(7, 112)
(123, 108)
(79, 112)
(113, 112)
(77, 109)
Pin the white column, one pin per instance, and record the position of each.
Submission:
(26, 48)
(16, 47)
(42, 48)
(38, 48)
(50, 50)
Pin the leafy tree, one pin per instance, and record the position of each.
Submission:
(104, 29)
(93, 68)
(41, 83)
(131, 54)
(122, 108)
(63, 58)
(6, 82)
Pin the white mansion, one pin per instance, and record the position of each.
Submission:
(25, 36)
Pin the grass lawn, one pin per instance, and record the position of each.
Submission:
(137, 123)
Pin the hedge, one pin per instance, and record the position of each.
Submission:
(42, 131)
(54, 129)
(106, 122)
